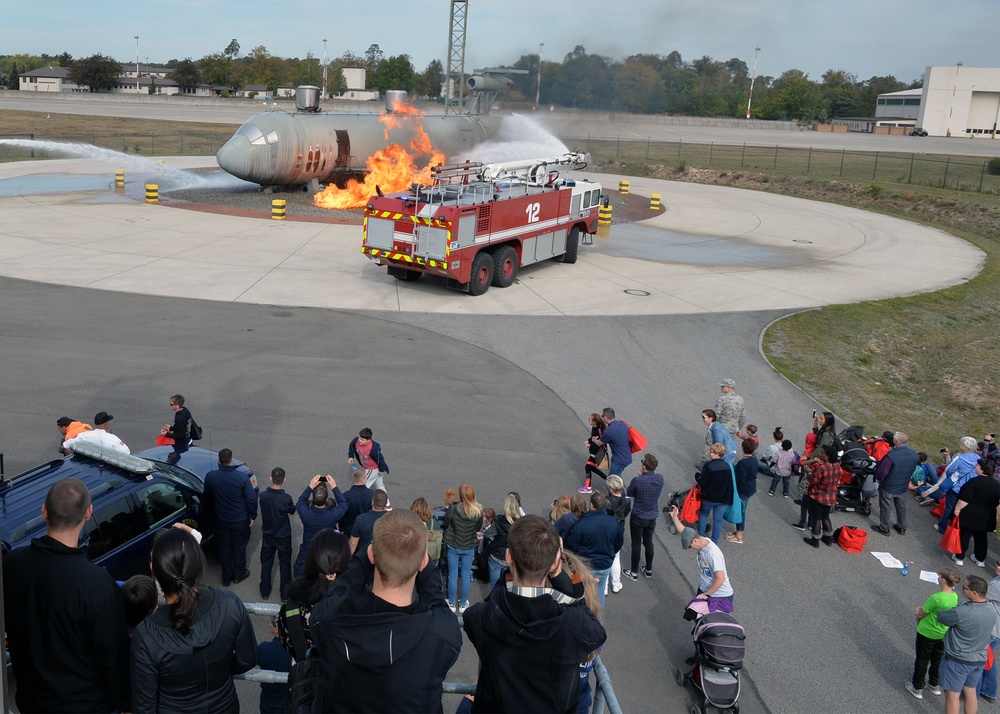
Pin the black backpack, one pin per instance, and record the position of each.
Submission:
(196, 432)
(305, 678)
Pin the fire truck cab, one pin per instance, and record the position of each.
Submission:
(476, 224)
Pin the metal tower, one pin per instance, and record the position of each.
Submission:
(455, 70)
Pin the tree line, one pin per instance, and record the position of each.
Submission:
(642, 83)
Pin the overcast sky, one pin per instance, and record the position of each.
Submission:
(863, 37)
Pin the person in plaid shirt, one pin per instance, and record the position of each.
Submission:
(824, 477)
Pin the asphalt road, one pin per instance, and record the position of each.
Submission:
(497, 402)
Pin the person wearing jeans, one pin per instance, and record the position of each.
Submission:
(463, 522)
(717, 493)
(595, 538)
(645, 489)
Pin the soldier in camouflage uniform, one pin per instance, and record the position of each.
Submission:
(731, 411)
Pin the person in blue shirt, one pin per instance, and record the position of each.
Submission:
(615, 435)
(320, 506)
(271, 655)
(229, 495)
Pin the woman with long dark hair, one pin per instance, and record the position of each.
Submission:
(327, 558)
(185, 654)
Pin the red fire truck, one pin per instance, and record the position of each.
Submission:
(476, 224)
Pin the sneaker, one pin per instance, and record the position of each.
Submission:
(980, 563)
(799, 526)
(388, 506)
(463, 607)
(770, 493)
(630, 575)
(917, 693)
(648, 572)
(957, 560)
(616, 587)
(453, 608)
(584, 489)
(934, 689)
(784, 495)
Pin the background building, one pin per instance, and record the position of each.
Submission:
(960, 101)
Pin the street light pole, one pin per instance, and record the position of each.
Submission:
(137, 64)
(753, 77)
(323, 95)
(538, 86)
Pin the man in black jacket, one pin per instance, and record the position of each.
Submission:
(381, 650)
(276, 534)
(531, 638)
(66, 628)
(230, 498)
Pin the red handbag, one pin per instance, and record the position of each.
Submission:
(951, 541)
(938, 510)
(636, 441)
(989, 657)
(163, 441)
(852, 540)
(692, 505)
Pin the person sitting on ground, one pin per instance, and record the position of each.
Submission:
(381, 649)
(528, 627)
(766, 462)
(957, 473)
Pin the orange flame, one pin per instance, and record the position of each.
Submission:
(393, 168)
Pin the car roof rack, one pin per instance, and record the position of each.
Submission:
(126, 462)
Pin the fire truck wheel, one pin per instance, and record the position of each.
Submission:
(572, 246)
(482, 273)
(504, 266)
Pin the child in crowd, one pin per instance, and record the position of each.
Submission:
(272, 655)
(139, 593)
(619, 505)
(751, 433)
(784, 462)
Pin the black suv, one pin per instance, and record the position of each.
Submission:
(133, 496)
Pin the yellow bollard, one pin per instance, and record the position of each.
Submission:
(604, 215)
(654, 202)
(278, 209)
(120, 178)
(623, 187)
(152, 193)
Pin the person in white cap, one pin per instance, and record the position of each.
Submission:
(100, 436)
(730, 408)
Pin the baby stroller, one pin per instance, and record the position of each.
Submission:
(719, 642)
(858, 464)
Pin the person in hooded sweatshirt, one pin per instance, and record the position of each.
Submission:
(382, 651)
(531, 638)
(185, 654)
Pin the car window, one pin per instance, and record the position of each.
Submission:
(109, 528)
(160, 501)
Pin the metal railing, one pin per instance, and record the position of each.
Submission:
(604, 693)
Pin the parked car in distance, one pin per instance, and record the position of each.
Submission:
(918, 132)
(133, 496)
